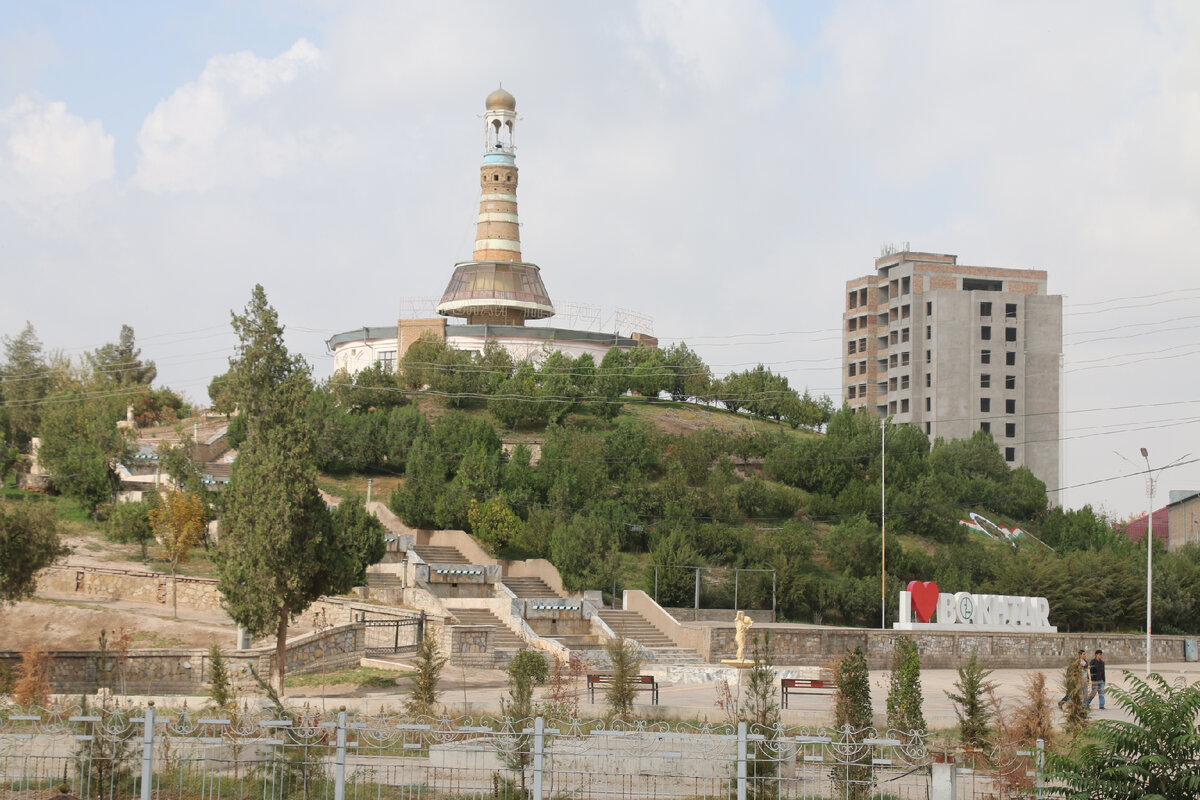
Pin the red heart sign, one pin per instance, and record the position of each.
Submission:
(924, 599)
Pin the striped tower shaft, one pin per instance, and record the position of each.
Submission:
(498, 233)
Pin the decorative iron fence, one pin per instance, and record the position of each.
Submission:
(389, 634)
(147, 753)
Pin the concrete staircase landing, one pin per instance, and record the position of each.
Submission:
(438, 554)
(530, 587)
(502, 639)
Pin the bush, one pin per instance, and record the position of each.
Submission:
(904, 695)
(626, 664)
(971, 703)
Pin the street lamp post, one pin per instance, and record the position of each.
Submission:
(1149, 553)
(883, 524)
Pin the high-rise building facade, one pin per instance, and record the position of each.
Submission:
(954, 349)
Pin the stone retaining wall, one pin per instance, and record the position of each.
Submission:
(186, 670)
(146, 587)
(942, 649)
(718, 614)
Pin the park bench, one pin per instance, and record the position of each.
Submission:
(641, 683)
(790, 686)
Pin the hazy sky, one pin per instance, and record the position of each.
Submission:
(722, 168)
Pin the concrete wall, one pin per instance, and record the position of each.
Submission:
(656, 615)
(186, 670)
(1183, 523)
(794, 645)
(718, 614)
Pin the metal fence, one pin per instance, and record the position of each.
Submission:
(389, 634)
(153, 754)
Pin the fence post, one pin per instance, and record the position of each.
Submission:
(339, 770)
(539, 747)
(148, 752)
(741, 761)
(1041, 763)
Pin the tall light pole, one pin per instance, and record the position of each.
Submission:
(883, 524)
(1149, 553)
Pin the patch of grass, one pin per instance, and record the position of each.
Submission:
(381, 485)
(361, 678)
(150, 639)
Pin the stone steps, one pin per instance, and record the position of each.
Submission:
(530, 587)
(632, 625)
(376, 580)
(502, 638)
(440, 554)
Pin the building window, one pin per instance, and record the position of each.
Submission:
(892, 384)
(929, 309)
(985, 356)
(1010, 359)
(851, 347)
(928, 356)
(1010, 406)
(894, 337)
(1010, 381)
(985, 332)
(985, 381)
(853, 368)
(903, 381)
(852, 301)
(929, 379)
(904, 359)
(892, 407)
(1010, 334)
(893, 360)
(862, 345)
(862, 390)
(387, 360)
(926, 428)
(862, 297)
(904, 337)
(985, 405)
(904, 405)
(852, 324)
(985, 309)
(905, 312)
(1010, 454)
(862, 368)
(928, 403)
(905, 285)
(928, 332)
(850, 392)
(1010, 310)
(1010, 430)
(986, 427)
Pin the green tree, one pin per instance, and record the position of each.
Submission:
(220, 682)
(690, 376)
(9, 455)
(1154, 755)
(28, 542)
(761, 710)
(81, 446)
(423, 696)
(852, 717)
(626, 661)
(527, 669)
(361, 533)
(415, 500)
(120, 364)
(971, 703)
(26, 381)
(129, 523)
(278, 550)
(674, 555)
(904, 691)
(493, 523)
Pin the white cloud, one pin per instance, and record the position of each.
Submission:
(47, 152)
(231, 126)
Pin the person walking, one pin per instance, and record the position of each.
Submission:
(1096, 671)
(1081, 662)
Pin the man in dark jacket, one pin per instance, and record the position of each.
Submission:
(1096, 669)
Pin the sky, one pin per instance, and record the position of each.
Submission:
(721, 168)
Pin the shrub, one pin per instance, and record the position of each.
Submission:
(970, 702)
(904, 694)
(852, 716)
(626, 664)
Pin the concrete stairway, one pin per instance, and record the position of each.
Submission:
(380, 580)
(438, 554)
(502, 639)
(530, 587)
(632, 625)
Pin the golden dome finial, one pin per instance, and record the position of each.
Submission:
(501, 99)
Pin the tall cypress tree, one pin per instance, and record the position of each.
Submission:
(278, 550)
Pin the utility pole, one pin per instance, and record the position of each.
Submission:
(883, 524)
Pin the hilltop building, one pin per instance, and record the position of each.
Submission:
(494, 293)
(954, 349)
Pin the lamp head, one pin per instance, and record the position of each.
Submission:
(1144, 453)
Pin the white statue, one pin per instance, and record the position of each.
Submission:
(743, 624)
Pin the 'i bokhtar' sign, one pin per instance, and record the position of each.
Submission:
(979, 612)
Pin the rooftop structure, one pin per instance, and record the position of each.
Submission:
(954, 349)
(496, 287)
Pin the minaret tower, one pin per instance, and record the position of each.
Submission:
(497, 287)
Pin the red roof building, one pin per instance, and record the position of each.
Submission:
(1136, 528)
